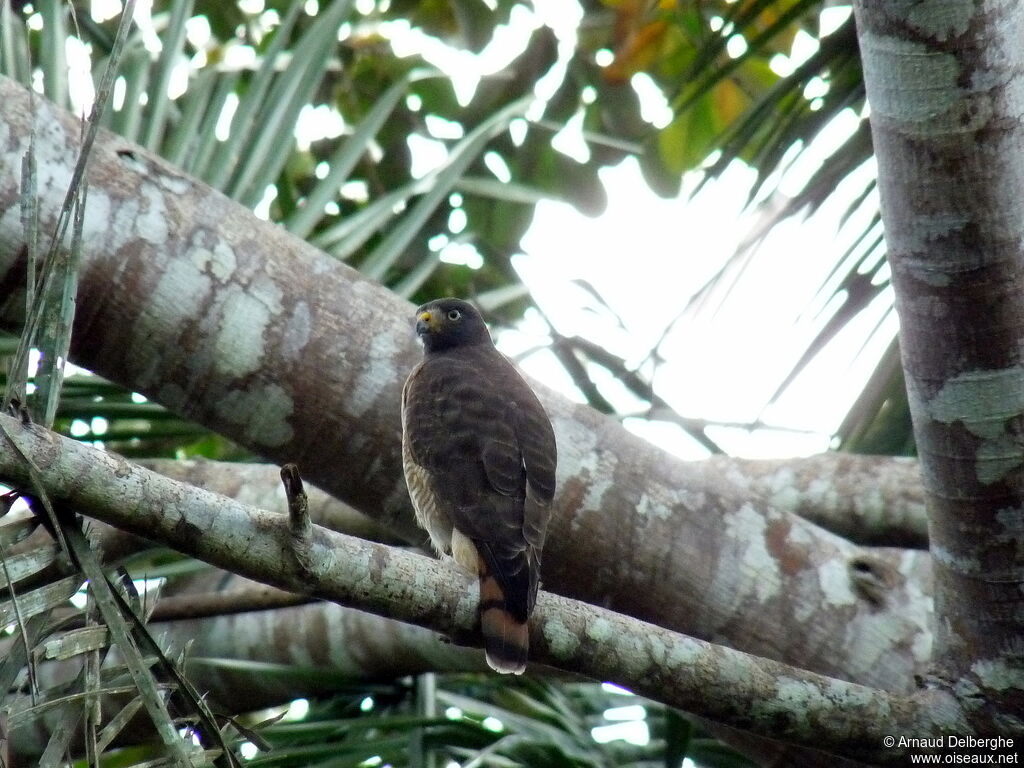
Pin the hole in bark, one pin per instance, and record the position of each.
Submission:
(869, 580)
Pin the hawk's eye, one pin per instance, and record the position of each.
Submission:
(454, 314)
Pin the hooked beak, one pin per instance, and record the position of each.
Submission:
(425, 322)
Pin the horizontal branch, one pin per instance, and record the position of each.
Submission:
(755, 694)
(872, 500)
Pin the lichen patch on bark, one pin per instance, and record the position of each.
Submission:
(262, 411)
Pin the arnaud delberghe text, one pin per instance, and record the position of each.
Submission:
(956, 742)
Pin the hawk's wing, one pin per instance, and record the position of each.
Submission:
(476, 427)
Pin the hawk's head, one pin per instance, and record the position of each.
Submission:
(447, 323)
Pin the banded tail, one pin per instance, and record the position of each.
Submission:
(506, 638)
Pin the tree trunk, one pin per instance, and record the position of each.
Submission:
(945, 81)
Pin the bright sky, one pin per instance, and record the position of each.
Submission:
(646, 256)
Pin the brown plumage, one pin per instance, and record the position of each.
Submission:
(479, 457)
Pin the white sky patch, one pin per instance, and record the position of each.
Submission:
(781, 65)
(101, 10)
(143, 19)
(440, 128)
(178, 82)
(227, 114)
(629, 712)
(833, 18)
(816, 88)
(654, 107)
(316, 123)
(569, 141)
(517, 130)
(838, 130)
(262, 209)
(633, 732)
(248, 750)
(80, 85)
(427, 155)
(297, 710)
(613, 688)
(457, 220)
(464, 67)
(736, 46)
(355, 190)
(462, 253)
(496, 164)
(804, 46)
(237, 56)
(120, 91)
(197, 31)
(717, 364)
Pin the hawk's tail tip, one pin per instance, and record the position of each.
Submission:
(506, 640)
(506, 652)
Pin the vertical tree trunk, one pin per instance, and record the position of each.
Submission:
(945, 81)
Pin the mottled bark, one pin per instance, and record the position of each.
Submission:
(871, 500)
(945, 81)
(755, 694)
(188, 298)
(259, 485)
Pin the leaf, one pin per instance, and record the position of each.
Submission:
(263, 155)
(345, 157)
(53, 61)
(159, 99)
(678, 732)
(39, 600)
(384, 256)
(75, 642)
(250, 103)
(25, 564)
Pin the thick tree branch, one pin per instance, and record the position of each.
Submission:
(744, 691)
(872, 500)
(188, 298)
(259, 485)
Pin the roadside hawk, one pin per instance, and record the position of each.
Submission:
(479, 457)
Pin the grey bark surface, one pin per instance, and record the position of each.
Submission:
(871, 500)
(945, 81)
